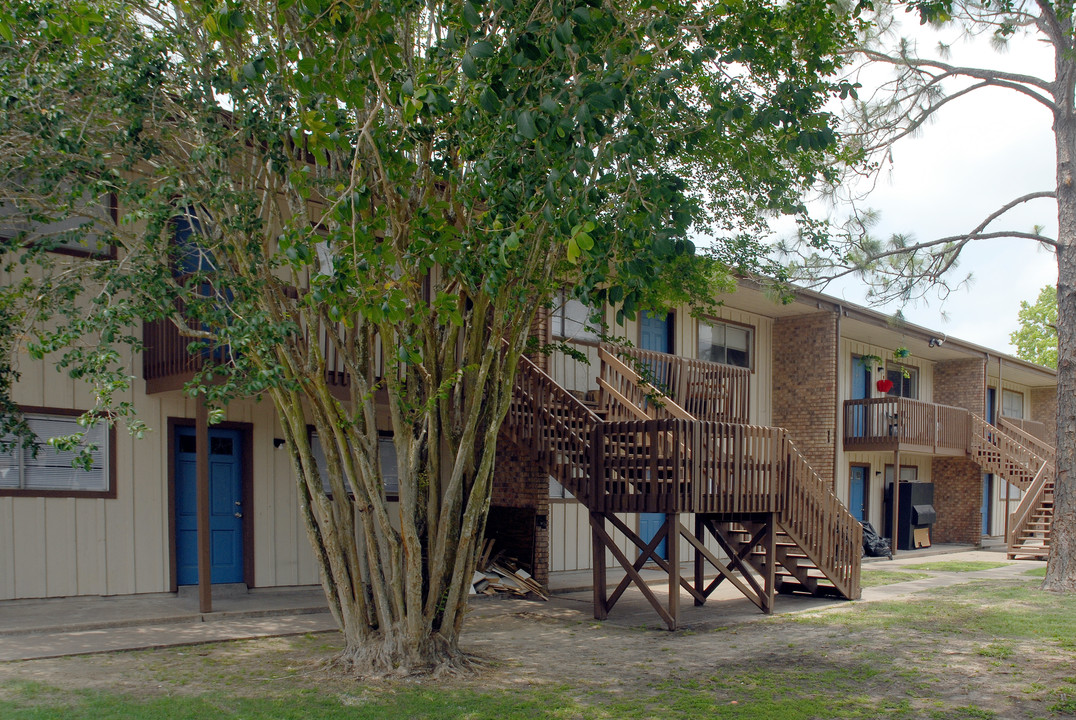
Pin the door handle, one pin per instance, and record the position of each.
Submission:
(239, 515)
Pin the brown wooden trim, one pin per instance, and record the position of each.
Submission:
(173, 582)
(108, 494)
(247, 439)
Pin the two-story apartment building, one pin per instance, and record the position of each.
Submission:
(830, 373)
(811, 367)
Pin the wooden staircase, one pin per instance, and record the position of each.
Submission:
(777, 523)
(795, 571)
(1028, 463)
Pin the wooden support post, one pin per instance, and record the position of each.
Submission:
(672, 547)
(700, 560)
(597, 542)
(771, 562)
(201, 467)
(896, 501)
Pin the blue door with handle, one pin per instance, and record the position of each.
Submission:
(857, 492)
(225, 506)
(653, 335)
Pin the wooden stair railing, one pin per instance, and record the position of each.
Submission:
(703, 390)
(556, 425)
(1039, 447)
(1037, 503)
(1030, 464)
(808, 510)
(1001, 452)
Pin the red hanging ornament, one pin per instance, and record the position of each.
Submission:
(884, 385)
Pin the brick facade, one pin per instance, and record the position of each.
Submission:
(805, 386)
(1044, 410)
(958, 482)
(961, 383)
(958, 487)
(519, 509)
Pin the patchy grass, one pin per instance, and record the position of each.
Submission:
(985, 650)
(875, 578)
(1010, 609)
(957, 566)
(1039, 572)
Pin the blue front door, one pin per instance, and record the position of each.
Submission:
(653, 335)
(225, 506)
(861, 390)
(857, 492)
(988, 489)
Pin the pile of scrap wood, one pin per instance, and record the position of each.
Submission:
(497, 574)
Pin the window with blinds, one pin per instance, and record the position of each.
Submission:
(389, 473)
(52, 470)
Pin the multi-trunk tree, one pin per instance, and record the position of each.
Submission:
(399, 185)
(925, 82)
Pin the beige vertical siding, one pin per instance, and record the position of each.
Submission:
(570, 541)
(55, 547)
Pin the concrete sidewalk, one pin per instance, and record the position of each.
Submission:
(32, 629)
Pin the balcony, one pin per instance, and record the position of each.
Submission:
(895, 423)
(168, 363)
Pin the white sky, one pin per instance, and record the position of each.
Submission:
(981, 151)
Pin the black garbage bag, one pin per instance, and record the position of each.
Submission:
(874, 545)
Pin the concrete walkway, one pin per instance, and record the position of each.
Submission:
(32, 629)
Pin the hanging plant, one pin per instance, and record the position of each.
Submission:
(901, 354)
(870, 362)
(884, 385)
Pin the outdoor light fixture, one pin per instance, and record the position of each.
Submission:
(935, 342)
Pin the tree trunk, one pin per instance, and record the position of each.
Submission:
(1061, 570)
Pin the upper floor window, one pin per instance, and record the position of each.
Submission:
(389, 473)
(906, 387)
(572, 320)
(51, 472)
(725, 343)
(1012, 404)
(84, 232)
(189, 254)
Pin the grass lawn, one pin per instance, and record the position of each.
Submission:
(957, 566)
(986, 649)
(875, 578)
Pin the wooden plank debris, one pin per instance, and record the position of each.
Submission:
(502, 575)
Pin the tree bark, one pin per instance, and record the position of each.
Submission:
(1061, 568)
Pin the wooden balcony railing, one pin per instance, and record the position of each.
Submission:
(169, 361)
(705, 390)
(890, 422)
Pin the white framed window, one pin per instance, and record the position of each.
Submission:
(389, 472)
(905, 387)
(725, 343)
(51, 472)
(572, 320)
(1012, 404)
(84, 232)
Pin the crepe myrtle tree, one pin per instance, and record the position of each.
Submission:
(399, 185)
(925, 82)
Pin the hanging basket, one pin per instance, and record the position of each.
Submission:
(884, 385)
